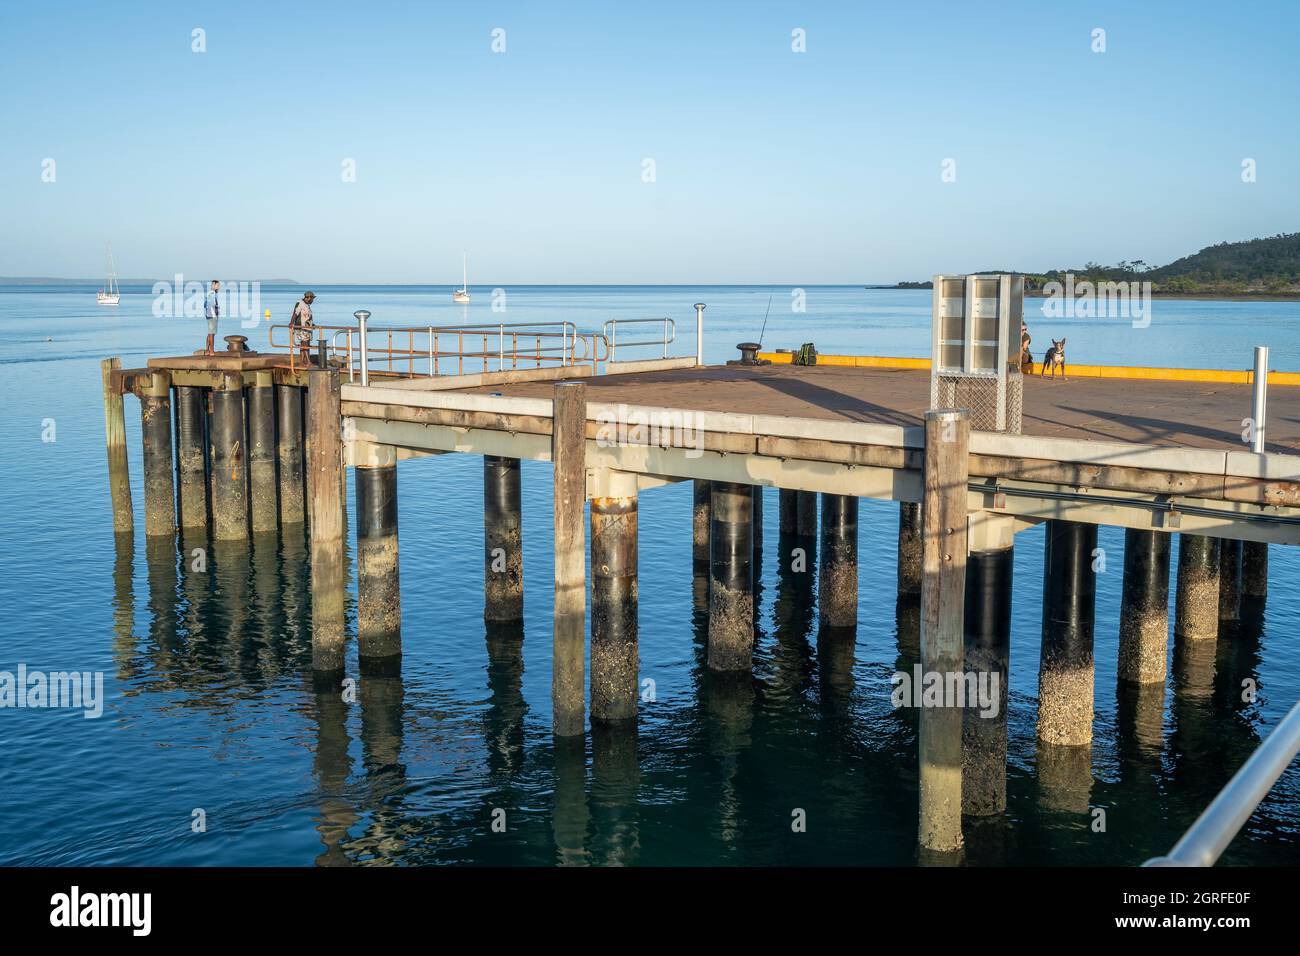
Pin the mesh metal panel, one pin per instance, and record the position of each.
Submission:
(980, 396)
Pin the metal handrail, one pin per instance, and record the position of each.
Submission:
(610, 331)
(1207, 838)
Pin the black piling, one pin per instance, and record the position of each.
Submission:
(156, 434)
(614, 659)
(379, 606)
(288, 405)
(731, 594)
(1229, 584)
(909, 550)
(263, 491)
(191, 457)
(1065, 675)
(229, 456)
(1144, 608)
(503, 560)
(987, 660)
(1196, 607)
(837, 590)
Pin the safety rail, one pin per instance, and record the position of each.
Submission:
(419, 351)
(1207, 838)
(610, 332)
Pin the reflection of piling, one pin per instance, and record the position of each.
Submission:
(1229, 584)
(119, 481)
(1065, 675)
(987, 622)
(614, 600)
(379, 602)
(324, 488)
(568, 459)
(947, 440)
(909, 549)
(1196, 608)
(288, 406)
(1144, 609)
(503, 560)
(191, 455)
(731, 595)
(837, 588)
(156, 433)
(570, 816)
(262, 453)
(229, 457)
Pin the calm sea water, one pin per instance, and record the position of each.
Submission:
(209, 706)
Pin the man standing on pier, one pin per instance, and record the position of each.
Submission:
(300, 326)
(212, 311)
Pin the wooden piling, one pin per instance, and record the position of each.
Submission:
(1144, 608)
(262, 483)
(1229, 584)
(1196, 607)
(290, 449)
(1065, 672)
(503, 558)
(614, 659)
(987, 658)
(731, 583)
(119, 480)
(947, 444)
(569, 459)
(229, 457)
(909, 550)
(700, 525)
(379, 601)
(156, 434)
(191, 457)
(837, 588)
(325, 463)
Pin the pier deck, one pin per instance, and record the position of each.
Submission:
(1193, 414)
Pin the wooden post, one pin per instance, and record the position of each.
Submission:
(156, 435)
(289, 413)
(943, 590)
(324, 487)
(191, 457)
(262, 482)
(614, 659)
(379, 601)
(503, 557)
(569, 459)
(119, 480)
(229, 456)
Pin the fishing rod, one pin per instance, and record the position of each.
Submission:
(763, 331)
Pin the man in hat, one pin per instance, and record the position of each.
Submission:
(212, 312)
(300, 326)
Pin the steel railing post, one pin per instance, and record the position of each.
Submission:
(362, 316)
(699, 333)
(1259, 404)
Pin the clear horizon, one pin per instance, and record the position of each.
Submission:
(824, 167)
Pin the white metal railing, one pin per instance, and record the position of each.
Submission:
(667, 336)
(1207, 838)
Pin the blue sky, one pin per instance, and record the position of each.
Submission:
(770, 165)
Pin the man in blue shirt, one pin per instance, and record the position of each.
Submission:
(212, 311)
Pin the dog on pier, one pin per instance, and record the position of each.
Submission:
(1055, 356)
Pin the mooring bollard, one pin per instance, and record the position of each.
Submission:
(503, 561)
(379, 599)
(1196, 607)
(1144, 608)
(325, 502)
(229, 456)
(156, 433)
(191, 457)
(943, 596)
(614, 658)
(262, 482)
(1065, 673)
(731, 583)
(837, 590)
(119, 480)
(569, 461)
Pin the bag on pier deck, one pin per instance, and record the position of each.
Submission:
(807, 355)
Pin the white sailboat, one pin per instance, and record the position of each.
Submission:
(110, 294)
(462, 294)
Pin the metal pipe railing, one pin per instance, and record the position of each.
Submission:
(1259, 398)
(699, 333)
(666, 338)
(1207, 838)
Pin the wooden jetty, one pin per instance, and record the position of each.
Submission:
(261, 442)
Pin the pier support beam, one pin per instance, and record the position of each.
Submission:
(1196, 607)
(1254, 571)
(1229, 584)
(943, 596)
(262, 453)
(379, 600)
(569, 459)
(700, 525)
(987, 624)
(1065, 673)
(909, 550)
(837, 589)
(119, 480)
(614, 659)
(229, 456)
(288, 407)
(503, 556)
(156, 433)
(191, 463)
(731, 582)
(1144, 609)
(324, 495)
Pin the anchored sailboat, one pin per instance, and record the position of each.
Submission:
(110, 294)
(462, 294)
